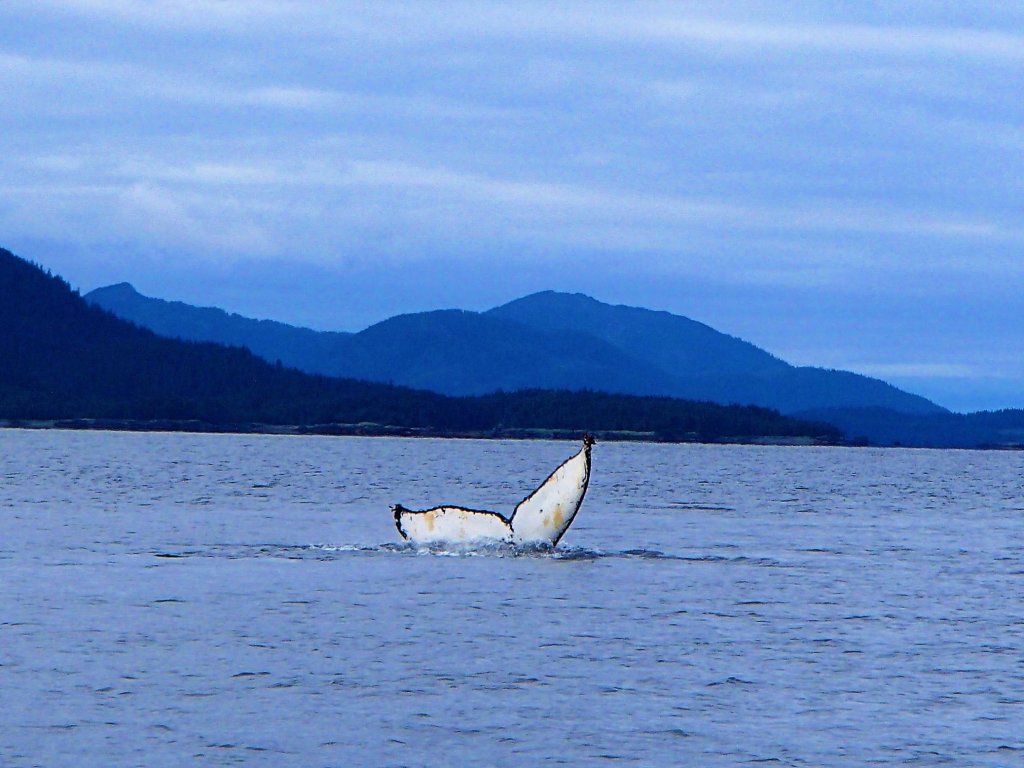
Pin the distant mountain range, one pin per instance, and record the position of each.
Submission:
(566, 341)
(62, 358)
(548, 340)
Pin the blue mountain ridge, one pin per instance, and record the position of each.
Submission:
(66, 362)
(548, 340)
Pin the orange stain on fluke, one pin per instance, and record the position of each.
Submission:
(559, 517)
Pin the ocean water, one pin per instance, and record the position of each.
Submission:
(170, 600)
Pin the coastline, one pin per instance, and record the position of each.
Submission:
(369, 429)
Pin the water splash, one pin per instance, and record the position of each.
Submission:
(460, 550)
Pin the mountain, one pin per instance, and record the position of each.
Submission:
(447, 351)
(673, 343)
(463, 353)
(706, 363)
(63, 358)
(300, 348)
(548, 340)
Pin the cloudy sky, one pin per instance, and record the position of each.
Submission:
(841, 183)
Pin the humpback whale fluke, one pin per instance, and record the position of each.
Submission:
(542, 518)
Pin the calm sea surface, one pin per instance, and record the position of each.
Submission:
(170, 600)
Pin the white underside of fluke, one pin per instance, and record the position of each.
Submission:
(542, 518)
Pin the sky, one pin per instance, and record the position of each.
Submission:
(841, 183)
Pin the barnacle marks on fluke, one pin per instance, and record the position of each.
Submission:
(542, 518)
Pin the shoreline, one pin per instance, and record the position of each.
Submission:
(367, 429)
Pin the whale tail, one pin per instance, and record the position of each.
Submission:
(542, 518)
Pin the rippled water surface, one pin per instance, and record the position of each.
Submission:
(172, 600)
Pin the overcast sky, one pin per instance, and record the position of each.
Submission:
(841, 183)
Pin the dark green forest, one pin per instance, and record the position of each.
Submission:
(64, 359)
(879, 426)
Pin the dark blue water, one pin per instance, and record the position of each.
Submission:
(171, 600)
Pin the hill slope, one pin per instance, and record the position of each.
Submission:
(447, 351)
(300, 348)
(547, 340)
(62, 358)
(674, 343)
(707, 363)
(461, 353)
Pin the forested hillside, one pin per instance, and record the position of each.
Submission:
(547, 340)
(62, 358)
